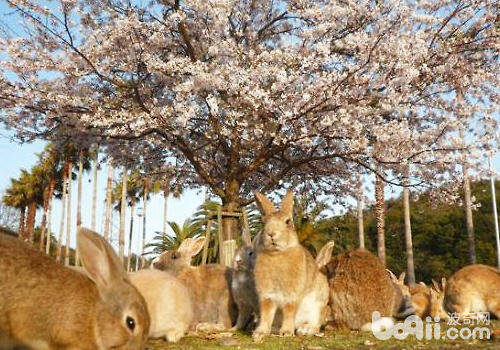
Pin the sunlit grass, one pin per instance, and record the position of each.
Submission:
(332, 340)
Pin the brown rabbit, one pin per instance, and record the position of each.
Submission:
(359, 285)
(421, 299)
(474, 288)
(403, 306)
(287, 277)
(47, 306)
(209, 285)
(437, 297)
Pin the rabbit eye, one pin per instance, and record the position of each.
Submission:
(250, 253)
(288, 221)
(130, 323)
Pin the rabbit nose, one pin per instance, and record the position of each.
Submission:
(271, 234)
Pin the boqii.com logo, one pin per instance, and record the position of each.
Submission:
(468, 326)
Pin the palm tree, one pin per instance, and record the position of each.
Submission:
(109, 200)
(15, 197)
(164, 241)
(95, 168)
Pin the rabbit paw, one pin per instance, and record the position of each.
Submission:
(286, 332)
(307, 329)
(258, 336)
(174, 335)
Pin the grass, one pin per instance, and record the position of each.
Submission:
(331, 340)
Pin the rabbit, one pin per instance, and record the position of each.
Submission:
(472, 289)
(359, 285)
(44, 305)
(421, 299)
(437, 298)
(243, 284)
(209, 285)
(403, 306)
(287, 277)
(168, 303)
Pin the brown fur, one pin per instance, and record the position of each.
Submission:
(421, 300)
(286, 275)
(474, 288)
(359, 285)
(209, 286)
(45, 305)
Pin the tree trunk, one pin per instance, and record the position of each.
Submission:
(30, 222)
(68, 218)
(468, 215)
(79, 202)
(165, 200)
(229, 224)
(123, 212)
(467, 196)
(361, 228)
(43, 226)
(145, 203)
(131, 232)
(95, 167)
(109, 200)
(380, 217)
(22, 217)
(410, 267)
(49, 216)
(63, 211)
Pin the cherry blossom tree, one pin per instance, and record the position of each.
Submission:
(240, 95)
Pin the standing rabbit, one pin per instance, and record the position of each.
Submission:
(243, 283)
(168, 303)
(359, 285)
(47, 306)
(209, 285)
(287, 277)
(474, 288)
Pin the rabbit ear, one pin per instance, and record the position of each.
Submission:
(401, 279)
(436, 285)
(443, 283)
(99, 259)
(287, 203)
(266, 206)
(245, 236)
(422, 284)
(185, 246)
(256, 240)
(198, 244)
(392, 276)
(325, 254)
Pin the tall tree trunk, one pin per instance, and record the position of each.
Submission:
(361, 228)
(380, 217)
(63, 211)
(468, 215)
(22, 217)
(30, 222)
(467, 195)
(229, 224)
(43, 226)
(109, 200)
(165, 200)
(79, 202)
(68, 218)
(123, 212)
(131, 232)
(410, 267)
(95, 166)
(147, 184)
(49, 215)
